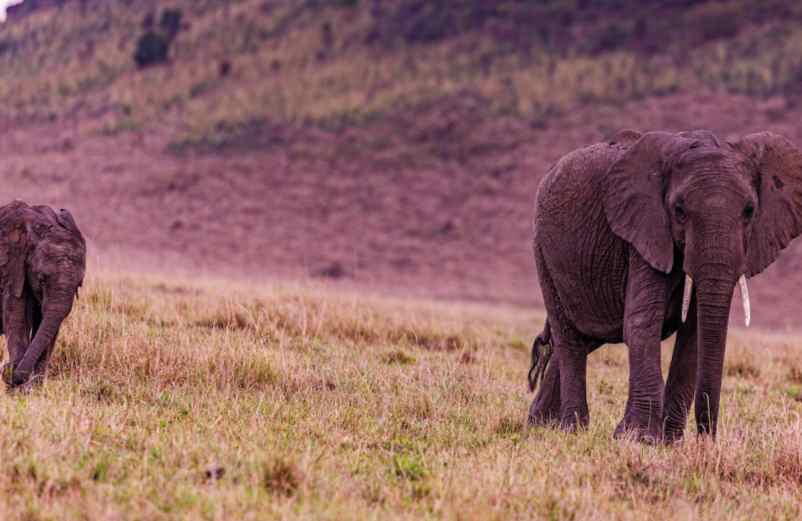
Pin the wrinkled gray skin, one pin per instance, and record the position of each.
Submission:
(42, 263)
(618, 226)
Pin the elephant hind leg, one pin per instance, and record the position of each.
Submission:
(563, 392)
(572, 355)
(545, 408)
(541, 354)
(562, 395)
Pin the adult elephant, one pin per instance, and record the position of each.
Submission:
(644, 236)
(42, 263)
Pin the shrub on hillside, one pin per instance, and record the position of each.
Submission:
(9, 46)
(151, 49)
(171, 22)
(609, 38)
(335, 3)
(714, 21)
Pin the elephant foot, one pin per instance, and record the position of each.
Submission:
(25, 388)
(648, 432)
(8, 373)
(11, 376)
(673, 437)
(15, 378)
(575, 420)
(544, 413)
(673, 433)
(546, 406)
(542, 420)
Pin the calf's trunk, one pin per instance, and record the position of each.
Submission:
(54, 314)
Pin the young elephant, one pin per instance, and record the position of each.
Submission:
(42, 263)
(645, 236)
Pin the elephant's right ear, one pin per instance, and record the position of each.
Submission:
(633, 196)
(14, 246)
(13, 254)
(778, 164)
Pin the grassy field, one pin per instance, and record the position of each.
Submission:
(171, 399)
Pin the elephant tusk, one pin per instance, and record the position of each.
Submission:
(686, 296)
(745, 300)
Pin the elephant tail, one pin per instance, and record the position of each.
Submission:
(541, 354)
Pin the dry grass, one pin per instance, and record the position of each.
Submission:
(209, 400)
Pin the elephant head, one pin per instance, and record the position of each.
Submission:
(43, 257)
(724, 210)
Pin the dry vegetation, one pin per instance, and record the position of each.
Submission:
(302, 62)
(179, 399)
(172, 399)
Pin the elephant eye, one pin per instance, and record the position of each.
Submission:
(749, 211)
(679, 213)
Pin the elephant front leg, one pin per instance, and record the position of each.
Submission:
(681, 384)
(18, 332)
(643, 417)
(646, 298)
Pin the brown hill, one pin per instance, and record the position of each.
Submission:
(19, 10)
(442, 207)
(390, 163)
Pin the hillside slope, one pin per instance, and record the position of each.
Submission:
(370, 143)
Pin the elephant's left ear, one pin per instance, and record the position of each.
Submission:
(65, 219)
(779, 214)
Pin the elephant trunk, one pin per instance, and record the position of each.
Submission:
(55, 310)
(714, 295)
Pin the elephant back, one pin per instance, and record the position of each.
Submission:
(576, 177)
